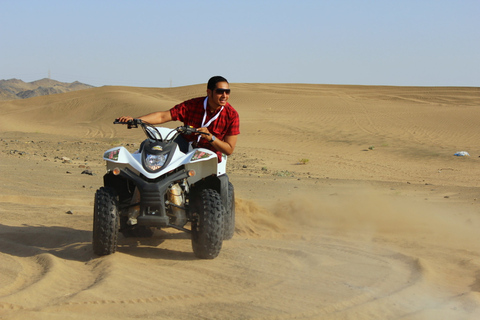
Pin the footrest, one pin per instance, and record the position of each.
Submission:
(153, 221)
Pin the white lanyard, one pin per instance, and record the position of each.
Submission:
(205, 117)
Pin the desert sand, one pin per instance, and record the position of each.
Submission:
(350, 205)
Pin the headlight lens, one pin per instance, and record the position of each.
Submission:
(155, 162)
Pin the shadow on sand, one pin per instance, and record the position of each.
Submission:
(73, 244)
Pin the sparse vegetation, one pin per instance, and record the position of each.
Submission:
(284, 173)
(115, 142)
(303, 161)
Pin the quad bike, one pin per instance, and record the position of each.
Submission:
(159, 186)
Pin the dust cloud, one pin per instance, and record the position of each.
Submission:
(367, 213)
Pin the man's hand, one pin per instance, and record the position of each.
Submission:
(207, 135)
(125, 119)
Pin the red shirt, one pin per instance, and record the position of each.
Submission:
(191, 113)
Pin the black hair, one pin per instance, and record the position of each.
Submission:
(212, 83)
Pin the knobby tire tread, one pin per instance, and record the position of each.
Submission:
(229, 220)
(208, 229)
(105, 222)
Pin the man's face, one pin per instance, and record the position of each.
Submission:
(220, 95)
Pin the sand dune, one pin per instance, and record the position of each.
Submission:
(381, 222)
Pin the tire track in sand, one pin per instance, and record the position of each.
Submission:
(256, 275)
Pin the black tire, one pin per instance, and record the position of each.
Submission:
(105, 222)
(207, 226)
(229, 220)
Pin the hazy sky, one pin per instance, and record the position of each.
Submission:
(162, 43)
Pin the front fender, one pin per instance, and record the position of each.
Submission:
(120, 157)
(203, 161)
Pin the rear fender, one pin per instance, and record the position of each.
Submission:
(217, 183)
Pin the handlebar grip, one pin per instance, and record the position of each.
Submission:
(131, 122)
(189, 130)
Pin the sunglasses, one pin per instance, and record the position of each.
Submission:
(222, 91)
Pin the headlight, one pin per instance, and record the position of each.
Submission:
(155, 162)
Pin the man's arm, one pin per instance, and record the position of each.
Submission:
(226, 146)
(152, 118)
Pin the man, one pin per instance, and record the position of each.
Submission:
(212, 115)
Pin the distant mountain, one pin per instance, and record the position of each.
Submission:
(17, 89)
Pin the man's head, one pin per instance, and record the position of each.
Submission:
(212, 83)
(218, 91)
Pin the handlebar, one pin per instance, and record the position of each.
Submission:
(134, 123)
